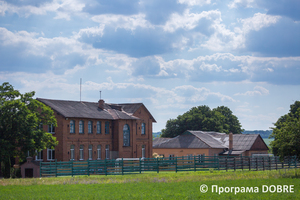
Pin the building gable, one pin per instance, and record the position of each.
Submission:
(259, 144)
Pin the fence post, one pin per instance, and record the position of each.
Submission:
(276, 161)
(194, 164)
(176, 164)
(263, 159)
(256, 164)
(226, 164)
(140, 166)
(41, 169)
(157, 164)
(295, 161)
(242, 162)
(123, 166)
(270, 168)
(55, 167)
(249, 161)
(88, 167)
(72, 169)
(234, 163)
(105, 167)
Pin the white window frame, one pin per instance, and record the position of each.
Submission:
(72, 126)
(72, 152)
(50, 154)
(90, 127)
(51, 129)
(107, 127)
(126, 135)
(81, 127)
(99, 152)
(143, 129)
(39, 155)
(143, 151)
(81, 153)
(90, 150)
(107, 156)
(98, 127)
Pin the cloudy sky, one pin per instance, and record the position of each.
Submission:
(171, 55)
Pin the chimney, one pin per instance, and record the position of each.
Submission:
(230, 141)
(29, 159)
(101, 104)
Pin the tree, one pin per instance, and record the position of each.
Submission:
(286, 133)
(219, 119)
(20, 120)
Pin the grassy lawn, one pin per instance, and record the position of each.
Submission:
(183, 185)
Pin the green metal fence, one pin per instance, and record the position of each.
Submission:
(176, 164)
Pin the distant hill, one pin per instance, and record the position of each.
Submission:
(156, 134)
(264, 134)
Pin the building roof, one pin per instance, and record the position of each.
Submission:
(82, 109)
(203, 139)
(160, 140)
(182, 141)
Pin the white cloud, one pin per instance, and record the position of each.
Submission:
(226, 39)
(258, 90)
(208, 67)
(195, 2)
(189, 20)
(63, 8)
(258, 21)
(130, 22)
(54, 49)
(245, 3)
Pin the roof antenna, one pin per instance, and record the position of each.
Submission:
(100, 94)
(80, 89)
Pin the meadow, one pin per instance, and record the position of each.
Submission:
(166, 185)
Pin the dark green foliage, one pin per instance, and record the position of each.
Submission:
(202, 118)
(286, 133)
(20, 118)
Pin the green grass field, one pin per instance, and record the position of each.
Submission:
(183, 185)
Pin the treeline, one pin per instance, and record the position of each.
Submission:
(263, 134)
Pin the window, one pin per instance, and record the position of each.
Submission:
(51, 129)
(50, 154)
(98, 152)
(143, 151)
(90, 152)
(98, 127)
(126, 136)
(200, 157)
(106, 127)
(171, 157)
(40, 127)
(107, 151)
(81, 152)
(72, 152)
(72, 126)
(143, 129)
(190, 158)
(39, 156)
(90, 127)
(81, 126)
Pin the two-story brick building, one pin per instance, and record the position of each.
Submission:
(90, 130)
